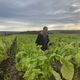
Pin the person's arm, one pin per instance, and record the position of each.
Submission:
(39, 39)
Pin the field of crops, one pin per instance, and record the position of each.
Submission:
(5, 44)
(60, 62)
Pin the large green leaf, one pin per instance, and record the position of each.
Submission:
(67, 71)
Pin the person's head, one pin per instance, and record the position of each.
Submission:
(45, 29)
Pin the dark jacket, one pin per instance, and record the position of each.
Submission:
(43, 41)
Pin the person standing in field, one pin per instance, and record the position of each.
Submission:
(43, 39)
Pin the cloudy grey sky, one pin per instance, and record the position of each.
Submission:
(34, 14)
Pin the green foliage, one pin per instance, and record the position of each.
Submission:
(77, 59)
(67, 70)
(60, 58)
(5, 44)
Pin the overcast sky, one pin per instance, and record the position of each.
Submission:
(17, 15)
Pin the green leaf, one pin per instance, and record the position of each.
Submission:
(77, 59)
(32, 74)
(56, 75)
(67, 71)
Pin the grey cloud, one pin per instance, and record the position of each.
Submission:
(41, 11)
